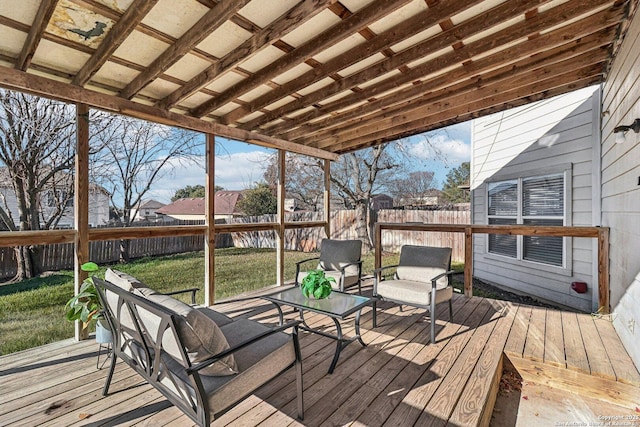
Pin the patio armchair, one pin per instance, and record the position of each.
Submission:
(340, 259)
(422, 279)
(201, 360)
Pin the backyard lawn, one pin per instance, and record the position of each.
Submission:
(32, 312)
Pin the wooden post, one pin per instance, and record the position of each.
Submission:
(603, 270)
(327, 198)
(378, 246)
(210, 236)
(468, 261)
(81, 205)
(282, 155)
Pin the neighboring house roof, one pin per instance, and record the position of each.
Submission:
(225, 204)
(151, 204)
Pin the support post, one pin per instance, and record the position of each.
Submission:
(282, 155)
(327, 198)
(81, 205)
(210, 236)
(468, 261)
(378, 246)
(603, 270)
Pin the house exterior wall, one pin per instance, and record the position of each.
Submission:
(551, 136)
(98, 208)
(621, 188)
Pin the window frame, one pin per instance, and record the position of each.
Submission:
(566, 171)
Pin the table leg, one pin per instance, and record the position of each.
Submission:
(339, 345)
(358, 336)
(280, 314)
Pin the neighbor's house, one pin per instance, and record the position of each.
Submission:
(381, 201)
(147, 210)
(192, 208)
(555, 162)
(98, 202)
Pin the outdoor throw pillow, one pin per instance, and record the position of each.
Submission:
(201, 336)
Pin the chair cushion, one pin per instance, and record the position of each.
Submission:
(412, 292)
(123, 280)
(422, 263)
(335, 254)
(201, 336)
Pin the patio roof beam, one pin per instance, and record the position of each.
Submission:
(512, 77)
(460, 56)
(268, 35)
(564, 39)
(438, 13)
(476, 105)
(45, 11)
(114, 38)
(41, 86)
(212, 20)
(333, 35)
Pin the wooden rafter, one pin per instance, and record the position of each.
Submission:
(456, 57)
(375, 44)
(206, 25)
(125, 26)
(35, 33)
(340, 31)
(268, 35)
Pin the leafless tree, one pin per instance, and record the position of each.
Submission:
(415, 187)
(303, 181)
(37, 149)
(134, 156)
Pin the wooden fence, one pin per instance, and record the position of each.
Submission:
(60, 256)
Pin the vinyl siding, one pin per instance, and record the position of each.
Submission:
(621, 188)
(536, 139)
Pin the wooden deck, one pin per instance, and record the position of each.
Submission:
(399, 379)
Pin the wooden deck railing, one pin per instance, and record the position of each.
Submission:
(600, 233)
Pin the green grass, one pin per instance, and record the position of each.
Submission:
(32, 311)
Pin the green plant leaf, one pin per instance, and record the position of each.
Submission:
(89, 267)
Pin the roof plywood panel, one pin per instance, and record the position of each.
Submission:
(158, 89)
(292, 73)
(420, 37)
(385, 76)
(399, 16)
(313, 27)
(355, 5)
(474, 11)
(119, 5)
(551, 5)
(430, 57)
(255, 93)
(13, 39)
(175, 18)
(21, 11)
(59, 58)
(316, 86)
(79, 25)
(114, 75)
(280, 103)
(339, 48)
(492, 30)
(140, 49)
(262, 59)
(225, 82)
(251, 117)
(187, 67)
(225, 39)
(264, 12)
(195, 100)
(364, 64)
(225, 109)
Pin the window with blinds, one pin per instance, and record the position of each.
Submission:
(537, 201)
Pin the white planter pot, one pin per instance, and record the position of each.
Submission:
(103, 334)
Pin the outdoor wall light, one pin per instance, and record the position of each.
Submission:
(621, 131)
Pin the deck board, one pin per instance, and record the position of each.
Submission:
(399, 378)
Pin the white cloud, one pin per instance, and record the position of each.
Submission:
(440, 148)
(235, 171)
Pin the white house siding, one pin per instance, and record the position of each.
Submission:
(621, 188)
(536, 139)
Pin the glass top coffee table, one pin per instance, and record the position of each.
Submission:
(337, 306)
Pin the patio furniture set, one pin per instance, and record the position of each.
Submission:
(204, 362)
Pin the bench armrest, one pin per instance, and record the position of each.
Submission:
(195, 368)
(184, 291)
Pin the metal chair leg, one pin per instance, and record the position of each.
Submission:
(375, 322)
(450, 311)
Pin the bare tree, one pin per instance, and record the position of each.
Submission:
(415, 187)
(134, 156)
(37, 150)
(303, 181)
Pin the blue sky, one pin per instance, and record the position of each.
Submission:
(239, 165)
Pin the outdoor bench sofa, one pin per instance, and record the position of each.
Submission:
(201, 360)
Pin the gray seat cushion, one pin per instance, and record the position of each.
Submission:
(413, 292)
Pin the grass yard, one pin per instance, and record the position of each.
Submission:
(32, 311)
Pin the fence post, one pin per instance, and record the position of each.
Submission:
(468, 261)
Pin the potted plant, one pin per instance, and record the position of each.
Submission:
(317, 285)
(86, 306)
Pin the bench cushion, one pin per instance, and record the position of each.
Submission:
(412, 292)
(201, 335)
(123, 280)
